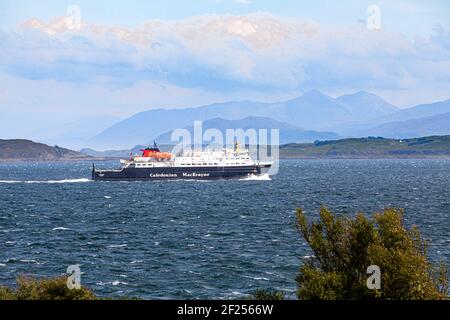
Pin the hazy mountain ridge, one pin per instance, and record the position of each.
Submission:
(76, 133)
(312, 111)
(352, 115)
(358, 102)
(287, 132)
(416, 112)
(435, 125)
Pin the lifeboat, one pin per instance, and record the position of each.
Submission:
(156, 153)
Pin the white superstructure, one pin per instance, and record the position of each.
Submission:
(225, 158)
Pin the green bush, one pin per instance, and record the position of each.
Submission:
(6, 294)
(343, 249)
(44, 289)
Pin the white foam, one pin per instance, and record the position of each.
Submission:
(262, 177)
(117, 246)
(83, 180)
(60, 228)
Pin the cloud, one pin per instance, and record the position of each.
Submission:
(226, 56)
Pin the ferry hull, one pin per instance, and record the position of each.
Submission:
(174, 173)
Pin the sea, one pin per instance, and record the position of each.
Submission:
(200, 239)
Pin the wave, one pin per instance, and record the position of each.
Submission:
(117, 246)
(262, 177)
(83, 180)
(60, 228)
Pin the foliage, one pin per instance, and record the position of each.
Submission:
(45, 289)
(6, 294)
(344, 248)
(267, 294)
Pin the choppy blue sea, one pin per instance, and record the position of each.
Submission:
(193, 239)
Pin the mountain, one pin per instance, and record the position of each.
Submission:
(427, 126)
(313, 111)
(365, 105)
(27, 150)
(74, 134)
(386, 125)
(434, 146)
(287, 132)
(419, 111)
(146, 126)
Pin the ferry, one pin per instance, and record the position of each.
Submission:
(153, 164)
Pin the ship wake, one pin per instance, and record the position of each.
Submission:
(262, 177)
(83, 180)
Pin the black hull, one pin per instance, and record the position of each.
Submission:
(176, 173)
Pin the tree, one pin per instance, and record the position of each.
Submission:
(267, 294)
(344, 248)
(45, 289)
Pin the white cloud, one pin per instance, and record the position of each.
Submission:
(224, 56)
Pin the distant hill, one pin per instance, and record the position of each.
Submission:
(312, 111)
(427, 126)
(419, 111)
(31, 151)
(371, 147)
(287, 132)
(401, 125)
(75, 134)
(365, 105)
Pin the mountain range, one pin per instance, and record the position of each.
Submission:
(287, 132)
(311, 111)
(427, 126)
(312, 116)
(418, 121)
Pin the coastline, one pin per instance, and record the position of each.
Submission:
(282, 157)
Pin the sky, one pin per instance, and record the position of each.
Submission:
(117, 57)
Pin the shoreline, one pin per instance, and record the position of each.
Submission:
(418, 157)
